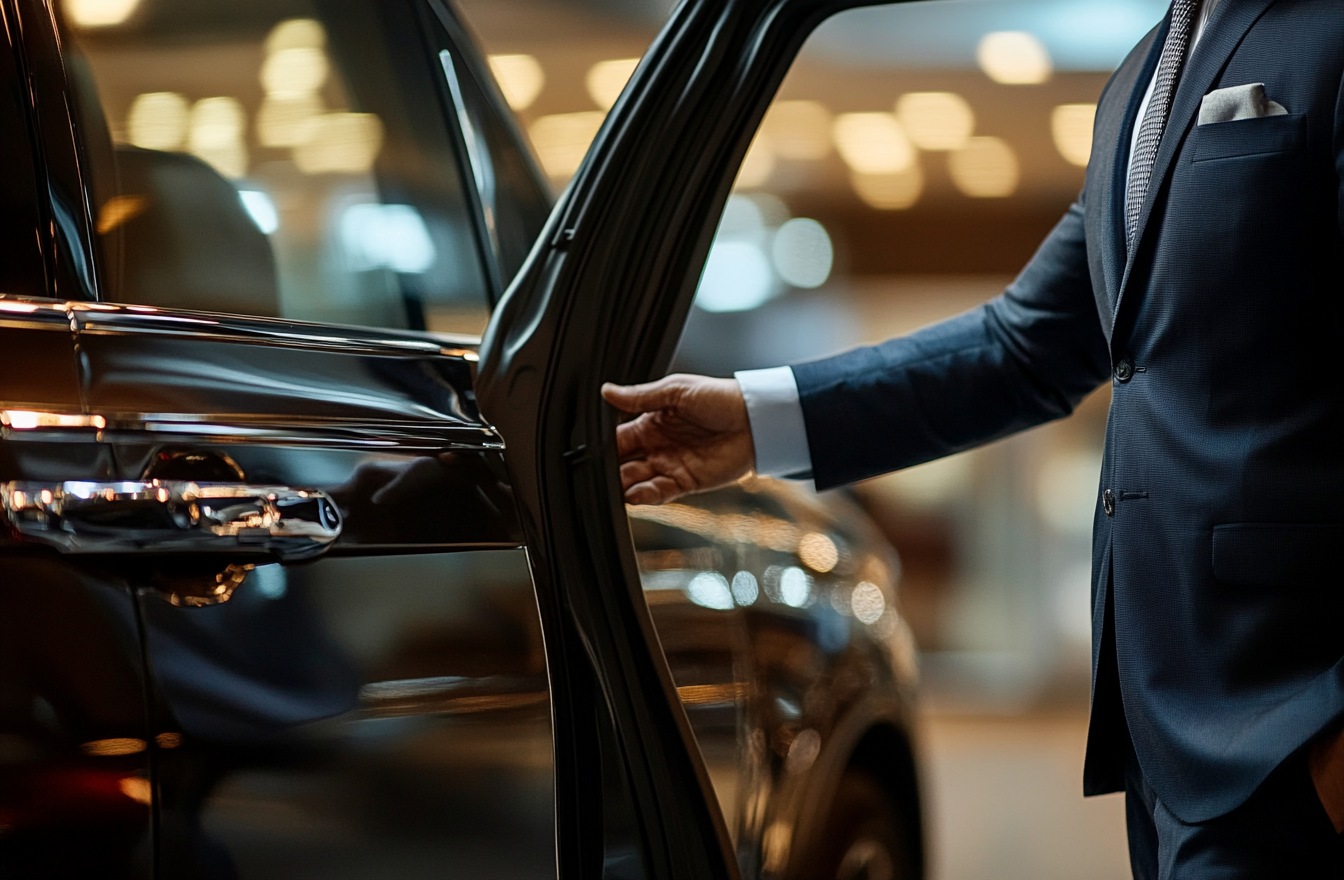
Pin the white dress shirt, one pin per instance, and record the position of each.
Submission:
(778, 431)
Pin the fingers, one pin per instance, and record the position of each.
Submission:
(644, 398)
(655, 491)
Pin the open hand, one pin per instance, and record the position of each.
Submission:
(692, 435)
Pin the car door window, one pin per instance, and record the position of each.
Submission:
(286, 159)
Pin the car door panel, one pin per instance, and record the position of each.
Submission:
(383, 708)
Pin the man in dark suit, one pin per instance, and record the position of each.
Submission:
(1201, 272)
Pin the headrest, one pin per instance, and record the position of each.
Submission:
(186, 241)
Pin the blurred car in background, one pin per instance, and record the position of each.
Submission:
(277, 597)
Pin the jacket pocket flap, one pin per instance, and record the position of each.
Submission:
(1250, 137)
(1272, 554)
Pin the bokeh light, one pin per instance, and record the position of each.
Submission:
(803, 256)
(563, 139)
(1071, 126)
(606, 80)
(986, 168)
(795, 587)
(818, 552)
(745, 588)
(1014, 57)
(100, 13)
(867, 603)
(216, 135)
(158, 121)
(889, 192)
(936, 120)
(709, 589)
(521, 78)
(799, 130)
(346, 143)
(287, 121)
(759, 163)
(873, 143)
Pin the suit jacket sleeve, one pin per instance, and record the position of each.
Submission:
(1024, 358)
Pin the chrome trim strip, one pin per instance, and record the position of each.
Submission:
(163, 428)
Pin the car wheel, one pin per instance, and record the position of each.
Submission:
(864, 837)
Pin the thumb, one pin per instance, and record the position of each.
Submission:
(642, 398)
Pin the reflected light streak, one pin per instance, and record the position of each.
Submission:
(713, 694)
(103, 748)
(25, 420)
(17, 307)
(120, 210)
(137, 789)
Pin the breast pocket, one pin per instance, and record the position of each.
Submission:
(1276, 554)
(1249, 137)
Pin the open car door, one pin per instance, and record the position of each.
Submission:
(603, 297)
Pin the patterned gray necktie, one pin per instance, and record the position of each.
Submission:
(1159, 106)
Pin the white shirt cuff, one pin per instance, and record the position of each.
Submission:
(778, 432)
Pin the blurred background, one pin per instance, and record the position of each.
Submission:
(913, 160)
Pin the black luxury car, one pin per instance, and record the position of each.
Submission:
(300, 577)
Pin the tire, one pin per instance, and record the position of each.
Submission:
(863, 837)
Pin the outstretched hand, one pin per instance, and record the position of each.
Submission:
(692, 434)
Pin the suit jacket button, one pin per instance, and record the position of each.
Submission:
(1124, 370)
(1108, 502)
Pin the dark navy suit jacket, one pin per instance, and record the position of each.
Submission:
(1218, 570)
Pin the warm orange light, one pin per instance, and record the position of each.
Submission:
(20, 308)
(137, 789)
(818, 552)
(46, 496)
(168, 740)
(26, 420)
(104, 748)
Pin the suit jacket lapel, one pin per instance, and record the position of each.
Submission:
(1224, 32)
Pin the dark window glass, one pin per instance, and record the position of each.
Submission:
(20, 258)
(286, 158)
(514, 199)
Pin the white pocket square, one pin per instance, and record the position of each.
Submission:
(1238, 102)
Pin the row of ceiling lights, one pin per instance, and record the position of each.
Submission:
(292, 115)
(880, 148)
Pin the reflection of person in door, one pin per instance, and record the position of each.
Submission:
(1200, 273)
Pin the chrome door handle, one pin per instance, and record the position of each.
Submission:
(173, 516)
